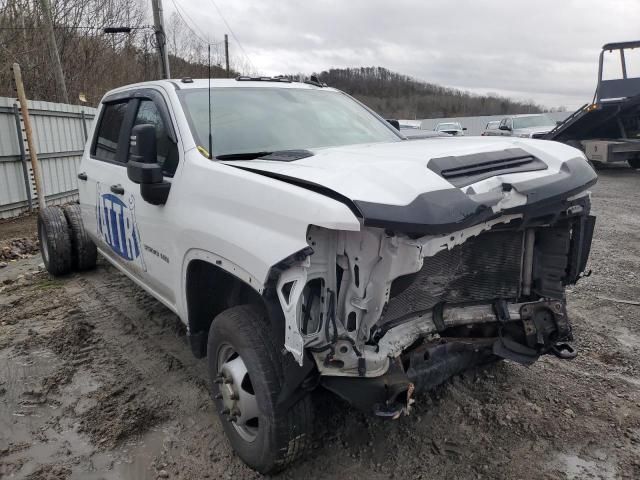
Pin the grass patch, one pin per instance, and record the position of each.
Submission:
(49, 284)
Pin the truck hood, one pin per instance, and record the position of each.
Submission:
(395, 181)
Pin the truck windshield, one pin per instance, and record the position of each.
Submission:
(533, 121)
(247, 119)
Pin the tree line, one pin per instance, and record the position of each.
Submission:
(94, 62)
(394, 95)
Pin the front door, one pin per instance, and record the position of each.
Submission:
(134, 234)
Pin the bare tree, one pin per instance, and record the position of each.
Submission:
(94, 62)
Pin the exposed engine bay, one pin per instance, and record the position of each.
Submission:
(382, 314)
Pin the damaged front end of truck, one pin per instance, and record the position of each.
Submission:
(454, 280)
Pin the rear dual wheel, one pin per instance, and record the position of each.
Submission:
(64, 243)
(83, 251)
(55, 241)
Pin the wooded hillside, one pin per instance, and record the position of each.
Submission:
(394, 95)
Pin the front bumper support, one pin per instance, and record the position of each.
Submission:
(538, 329)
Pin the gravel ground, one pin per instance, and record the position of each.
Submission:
(97, 382)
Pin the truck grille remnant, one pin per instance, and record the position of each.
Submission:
(482, 269)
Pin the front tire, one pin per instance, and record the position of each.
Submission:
(634, 162)
(55, 241)
(247, 374)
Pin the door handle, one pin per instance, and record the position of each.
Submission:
(117, 189)
(82, 176)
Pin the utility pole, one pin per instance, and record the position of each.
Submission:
(226, 52)
(53, 50)
(161, 38)
(31, 145)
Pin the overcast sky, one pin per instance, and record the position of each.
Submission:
(540, 50)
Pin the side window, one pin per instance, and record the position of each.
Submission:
(509, 123)
(108, 134)
(167, 150)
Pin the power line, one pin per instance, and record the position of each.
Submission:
(234, 35)
(206, 42)
(72, 27)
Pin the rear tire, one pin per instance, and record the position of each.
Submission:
(55, 241)
(240, 340)
(83, 251)
(634, 162)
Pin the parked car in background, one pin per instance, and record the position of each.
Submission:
(527, 126)
(491, 128)
(452, 128)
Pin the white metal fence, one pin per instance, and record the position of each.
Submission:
(60, 132)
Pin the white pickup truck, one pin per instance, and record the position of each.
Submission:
(307, 244)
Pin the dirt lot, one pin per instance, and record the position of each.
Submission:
(97, 382)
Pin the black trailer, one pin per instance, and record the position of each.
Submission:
(608, 129)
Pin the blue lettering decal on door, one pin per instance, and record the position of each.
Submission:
(117, 226)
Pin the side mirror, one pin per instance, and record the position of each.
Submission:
(464, 128)
(143, 167)
(504, 127)
(558, 122)
(394, 123)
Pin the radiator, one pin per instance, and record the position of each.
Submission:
(480, 270)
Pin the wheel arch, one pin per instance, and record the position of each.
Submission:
(212, 284)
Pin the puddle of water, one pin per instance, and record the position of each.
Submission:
(28, 415)
(20, 267)
(577, 468)
(23, 408)
(131, 461)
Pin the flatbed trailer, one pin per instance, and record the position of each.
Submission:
(607, 130)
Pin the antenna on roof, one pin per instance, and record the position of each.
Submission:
(210, 136)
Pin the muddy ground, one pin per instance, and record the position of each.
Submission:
(97, 382)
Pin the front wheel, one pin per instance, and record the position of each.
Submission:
(247, 374)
